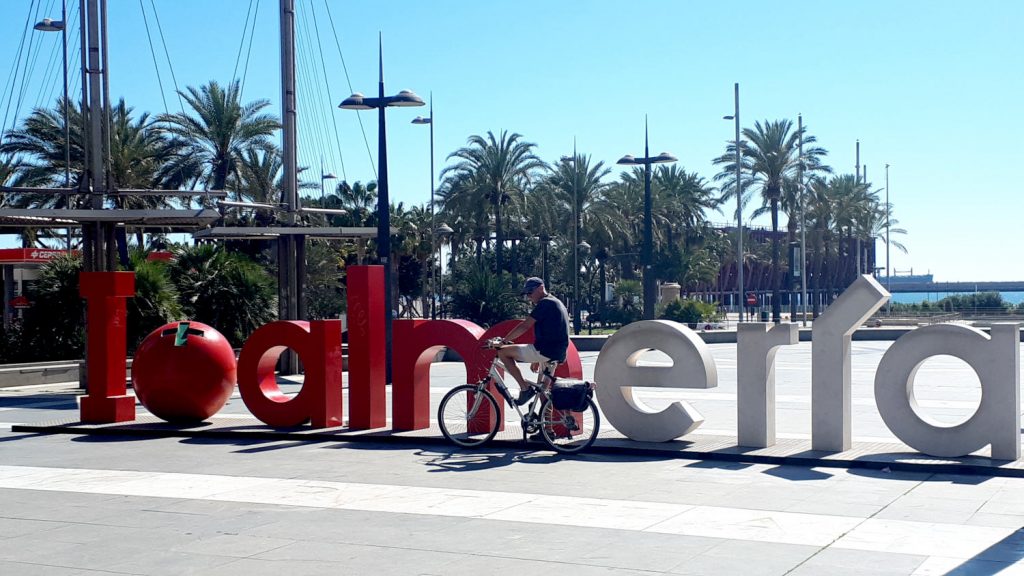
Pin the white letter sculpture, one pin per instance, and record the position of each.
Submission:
(995, 359)
(830, 362)
(756, 345)
(617, 373)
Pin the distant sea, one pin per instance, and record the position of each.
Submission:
(918, 297)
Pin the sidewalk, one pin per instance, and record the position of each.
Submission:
(254, 504)
(946, 388)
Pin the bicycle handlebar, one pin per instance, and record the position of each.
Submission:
(496, 343)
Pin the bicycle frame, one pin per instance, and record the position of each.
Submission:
(558, 428)
(494, 374)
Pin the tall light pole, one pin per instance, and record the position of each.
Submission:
(324, 176)
(359, 102)
(803, 221)
(433, 218)
(888, 213)
(48, 25)
(739, 205)
(576, 317)
(647, 255)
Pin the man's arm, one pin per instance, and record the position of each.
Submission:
(523, 327)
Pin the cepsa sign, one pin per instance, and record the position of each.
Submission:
(619, 373)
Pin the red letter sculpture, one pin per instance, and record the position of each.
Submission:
(367, 388)
(105, 294)
(417, 342)
(318, 344)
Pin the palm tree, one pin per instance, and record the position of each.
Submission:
(496, 169)
(137, 154)
(618, 218)
(211, 140)
(360, 201)
(459, 206)
(683, 198)
(772, 159)
(579, 184)
(225, 290)
(38, 143)
(414, 245)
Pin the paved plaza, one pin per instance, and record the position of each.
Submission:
(92, 504)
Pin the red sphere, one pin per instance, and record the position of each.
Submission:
(184, 372)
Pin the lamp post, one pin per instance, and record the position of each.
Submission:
(739, 204)
(803, 222)
(48, 25)
(324, 176)
(576, 319)
(433, 219)
(444, 231)
(359, 102)
(647, 255)
(888, 213)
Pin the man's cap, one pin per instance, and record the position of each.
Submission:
(530, 284)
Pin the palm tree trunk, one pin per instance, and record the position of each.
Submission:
(498, 234)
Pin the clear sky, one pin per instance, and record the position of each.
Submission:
(932, 88)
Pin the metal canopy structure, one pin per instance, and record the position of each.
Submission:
(64, 218)
(272, 232)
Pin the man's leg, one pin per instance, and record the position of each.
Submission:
(508, 356)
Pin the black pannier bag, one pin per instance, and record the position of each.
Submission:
(571, 395)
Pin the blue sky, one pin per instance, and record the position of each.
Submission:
(933, 88)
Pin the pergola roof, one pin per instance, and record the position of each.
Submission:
(252, 233)
(63, 218)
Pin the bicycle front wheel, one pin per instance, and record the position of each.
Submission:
(468, 417)
(567, 431)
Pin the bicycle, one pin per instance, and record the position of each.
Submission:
(469, 415)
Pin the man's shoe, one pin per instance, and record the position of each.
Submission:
(525, 396)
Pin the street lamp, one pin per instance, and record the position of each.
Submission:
(803, 221)
(444, 231)
(576, 318)
(888, 214)
(49, 25)
(433, 221)
(647, 255)
(739, 206)
(358, 101)
(324, 176)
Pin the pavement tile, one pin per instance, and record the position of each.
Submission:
(34, 569)
(732, 557)
(941, 566)
(839, 562)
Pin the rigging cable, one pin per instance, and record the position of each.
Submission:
(12, 78)
(48, 77)
(241, 44)
(313, 88)
(359, 116)
(334, 119)
(174, 79)
(152, 51)
(25, 73)
(248, 53)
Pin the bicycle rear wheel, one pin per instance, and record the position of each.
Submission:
(467, 417)
(566, 431)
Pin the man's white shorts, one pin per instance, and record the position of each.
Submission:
(527, 353)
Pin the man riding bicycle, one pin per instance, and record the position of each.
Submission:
(550, 323)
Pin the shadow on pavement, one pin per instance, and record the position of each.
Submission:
(797, 474)
(457, 460)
